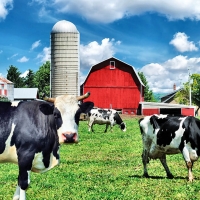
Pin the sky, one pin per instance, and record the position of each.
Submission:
(159, 38)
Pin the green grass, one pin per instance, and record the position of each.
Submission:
(105, 166)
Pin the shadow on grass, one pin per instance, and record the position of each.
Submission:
(159, 177)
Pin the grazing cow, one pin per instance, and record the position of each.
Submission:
(164, 134)
(31, 133)
(105, 116)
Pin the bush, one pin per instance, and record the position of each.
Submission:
(4, 98)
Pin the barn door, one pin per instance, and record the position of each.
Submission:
(171, 111)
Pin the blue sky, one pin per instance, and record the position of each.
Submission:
(159, 38)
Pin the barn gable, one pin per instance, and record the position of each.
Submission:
(114, 84)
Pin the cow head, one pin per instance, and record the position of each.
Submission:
(123, 126)
(119, 121)
(66, 111)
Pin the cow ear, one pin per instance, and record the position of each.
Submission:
(86, 107)
(47, 109)
(83, 108)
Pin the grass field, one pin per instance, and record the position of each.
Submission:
(105, 166)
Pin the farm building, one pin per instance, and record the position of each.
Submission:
(114, 84)
(6, 88)
(26, 94)
(168, 105)
(149, 108)
(170, 98)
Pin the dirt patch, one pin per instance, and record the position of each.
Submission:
(125, 116)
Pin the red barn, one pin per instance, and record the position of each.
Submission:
(114, 84)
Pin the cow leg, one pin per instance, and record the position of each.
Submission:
(20, 194)
(106, 128)
(92, 128)
(190, 175)
(164, 164)
(90, 124)
(111, 128)
(17, 193)
(25, 165)
(145, 160)
(188, 162)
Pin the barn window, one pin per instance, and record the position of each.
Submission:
(112, 64)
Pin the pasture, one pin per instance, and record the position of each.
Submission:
(105, 166)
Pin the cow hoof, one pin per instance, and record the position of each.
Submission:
(16, 197)
(170, 176)
(190, 180)
(145, 175)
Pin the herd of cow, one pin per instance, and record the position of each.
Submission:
(31, 133)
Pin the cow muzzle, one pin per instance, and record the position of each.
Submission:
(123, 126)
(70, 137)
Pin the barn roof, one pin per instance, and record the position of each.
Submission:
(25, 93)
(117, 60)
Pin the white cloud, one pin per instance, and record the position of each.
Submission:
(162, 76)
(181, 43)
(109, 11)
(24, 74)
(44, 55)
(14, 55)
(35, 44)
(45, 12)
(23, 59)
(5, 7)
(38, 1)
(94, 52)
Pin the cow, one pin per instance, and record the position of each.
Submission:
(31, 133)
(165, 134)
(105, 116)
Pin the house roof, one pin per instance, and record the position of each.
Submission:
(170, 95)
(25, 93)
(120, 61)
(4, 80)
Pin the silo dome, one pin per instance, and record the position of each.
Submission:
(64, 26)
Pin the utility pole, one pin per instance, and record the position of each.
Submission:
(190, 82)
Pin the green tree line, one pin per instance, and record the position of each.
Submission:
(183, 97)
(39, 79)
(148, 94)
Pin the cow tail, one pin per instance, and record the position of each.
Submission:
(141, 131)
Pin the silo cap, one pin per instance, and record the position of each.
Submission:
(64, 26)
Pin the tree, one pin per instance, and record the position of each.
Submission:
(29, 79)
(14, 76)
(195, 87)
(148, 94)
(42, 79)
(183, 95)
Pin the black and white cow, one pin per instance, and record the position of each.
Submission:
(164, 134)
(105, 116)
(31, 133)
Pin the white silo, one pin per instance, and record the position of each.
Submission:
(65, 61)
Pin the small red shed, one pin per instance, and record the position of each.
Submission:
(114, 84)
(150, 108)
